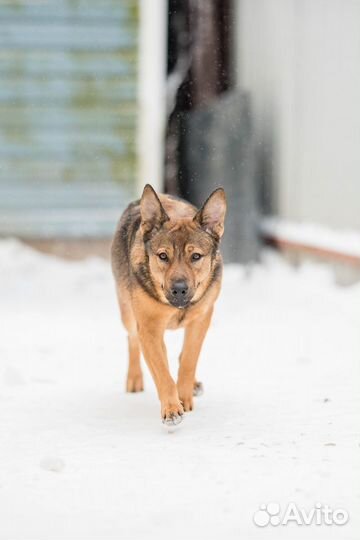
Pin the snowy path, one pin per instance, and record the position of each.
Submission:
(278, 422)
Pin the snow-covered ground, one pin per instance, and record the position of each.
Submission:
(278, 422)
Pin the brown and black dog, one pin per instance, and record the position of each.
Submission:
(167, 267)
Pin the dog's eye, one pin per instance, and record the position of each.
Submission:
(196, 256)
(163, 256)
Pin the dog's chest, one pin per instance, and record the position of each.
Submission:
(177, 320)
(182, 317)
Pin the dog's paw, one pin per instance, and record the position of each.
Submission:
(186, 398)
(172, 414)
(198, 389)
(188, 403)
(135, 383)
(172, 420)
(187, 393)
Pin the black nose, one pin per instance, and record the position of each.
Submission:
(179, 290)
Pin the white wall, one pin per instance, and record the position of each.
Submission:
(300, 59)
(151, 93)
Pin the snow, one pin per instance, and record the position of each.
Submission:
(278, 421)
(314, 234)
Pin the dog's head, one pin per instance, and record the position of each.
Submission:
(182, 252)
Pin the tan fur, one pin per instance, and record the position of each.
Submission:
(179, 230)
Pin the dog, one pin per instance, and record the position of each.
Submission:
(168, 268)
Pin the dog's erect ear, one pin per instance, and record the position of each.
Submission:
(211, 216)
(152, 212)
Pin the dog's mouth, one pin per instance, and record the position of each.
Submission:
(180, 303)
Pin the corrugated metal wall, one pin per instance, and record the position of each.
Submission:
(67, 106)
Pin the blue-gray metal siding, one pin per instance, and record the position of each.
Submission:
(67, 111)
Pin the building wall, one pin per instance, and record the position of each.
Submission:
(68, 115)
(301, 63)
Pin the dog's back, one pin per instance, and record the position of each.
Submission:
(126, 230)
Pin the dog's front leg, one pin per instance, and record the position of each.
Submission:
(195, 333)
(154, 350)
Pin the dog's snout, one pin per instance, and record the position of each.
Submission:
(179, 289)
(179, 294)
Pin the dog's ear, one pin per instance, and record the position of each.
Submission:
(211, 216)
(152, 212)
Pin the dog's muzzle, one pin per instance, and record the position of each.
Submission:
(179, 294)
